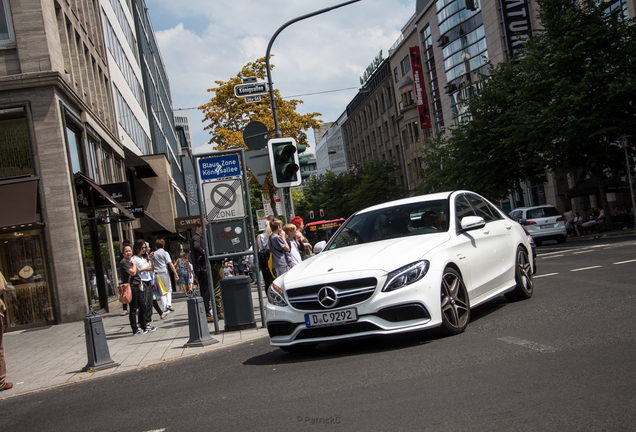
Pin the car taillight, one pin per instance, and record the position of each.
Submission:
(560, 219)
(529, 223)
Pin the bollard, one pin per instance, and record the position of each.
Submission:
(199, 332)
(96, 345)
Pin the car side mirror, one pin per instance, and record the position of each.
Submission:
(522, 221)
(318, 247)
(470, 223)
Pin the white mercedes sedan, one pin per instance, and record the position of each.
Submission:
(402, 266)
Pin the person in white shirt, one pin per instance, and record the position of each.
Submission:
(294, 252)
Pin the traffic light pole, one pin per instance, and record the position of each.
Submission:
(286, 191)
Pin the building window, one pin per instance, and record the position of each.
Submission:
(91, 157)
(405, 65)
(7, 37)
(74, 140)
(395, 74)
(16, 159)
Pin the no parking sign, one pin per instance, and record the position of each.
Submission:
(223, 200)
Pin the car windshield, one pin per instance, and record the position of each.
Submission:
(426, 217)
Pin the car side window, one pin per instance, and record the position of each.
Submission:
(462, 209)
(496, 212)
(481, 207)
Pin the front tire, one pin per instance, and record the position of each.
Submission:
(523, 276)
(454, 303)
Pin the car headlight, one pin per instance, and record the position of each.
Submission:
(275, 295)
(406, 275)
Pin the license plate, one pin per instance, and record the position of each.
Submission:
(331, 317)
(548, 226)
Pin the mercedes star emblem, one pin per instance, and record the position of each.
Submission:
(328, 297)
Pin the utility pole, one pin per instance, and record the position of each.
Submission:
(286, 191)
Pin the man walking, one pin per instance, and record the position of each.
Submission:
(198, 264)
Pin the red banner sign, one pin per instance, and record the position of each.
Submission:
(420, 90)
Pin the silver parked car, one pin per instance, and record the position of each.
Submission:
(542, 222)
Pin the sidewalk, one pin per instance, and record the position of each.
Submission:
(50, 356)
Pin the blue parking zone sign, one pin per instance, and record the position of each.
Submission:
(219, 167)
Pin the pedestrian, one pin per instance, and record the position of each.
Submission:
(578, 223)
(294, 252)
(125, 243)
(198, 262)
(279, 248)
(184, 272)
(4, 385)
(162, 262)
(145, 266)
(568, 216)
(303, 244)
(263, 252)
(130, 275)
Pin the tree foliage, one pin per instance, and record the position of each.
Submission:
(341, 195)
(561, 106)
(227, 115)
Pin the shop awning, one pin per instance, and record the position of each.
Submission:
(590, 187)
(19, 198)
(142, 168)
(85, 184)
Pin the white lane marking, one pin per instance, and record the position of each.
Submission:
(157, 430)
(549, 274)
(552, 256)
(585, 268)
(585, 251)
(549, 253)
(528, 344)
(625, 262)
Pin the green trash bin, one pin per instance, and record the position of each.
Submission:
(238, 308)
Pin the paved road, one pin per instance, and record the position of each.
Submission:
(562, 360)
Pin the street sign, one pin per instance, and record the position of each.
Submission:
(258, 163)
(223, 200)
(251, 89)
(255, 135)
(219, 167)
(253, 99)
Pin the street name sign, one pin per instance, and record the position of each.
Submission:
(251, 89)
(219, 167)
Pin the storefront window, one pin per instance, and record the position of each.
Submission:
(28, 297)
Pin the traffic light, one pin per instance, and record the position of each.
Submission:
(283, 158)
(302, 161)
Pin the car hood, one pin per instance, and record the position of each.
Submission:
(365, 259)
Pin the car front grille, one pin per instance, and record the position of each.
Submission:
(349, 293)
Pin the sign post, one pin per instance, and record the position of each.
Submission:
(223, 193)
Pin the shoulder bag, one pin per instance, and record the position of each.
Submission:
(125, 294)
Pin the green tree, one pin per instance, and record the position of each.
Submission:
(341, 195)
(227, 116)
(585, 57)
(561, 106)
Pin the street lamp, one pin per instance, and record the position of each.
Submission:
(625, 143)
(272, 101)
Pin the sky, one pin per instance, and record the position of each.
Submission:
(315, 60)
